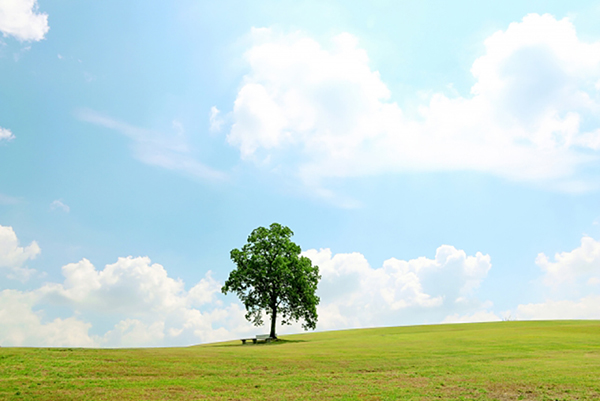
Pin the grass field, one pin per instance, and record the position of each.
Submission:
(555, 360)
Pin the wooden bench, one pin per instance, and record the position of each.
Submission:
(260, 337)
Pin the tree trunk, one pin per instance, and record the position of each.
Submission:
(273, 322)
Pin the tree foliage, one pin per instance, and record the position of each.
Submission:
(272, 276)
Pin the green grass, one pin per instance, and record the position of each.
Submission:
(556, 360)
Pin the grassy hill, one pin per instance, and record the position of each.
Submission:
(554, 360)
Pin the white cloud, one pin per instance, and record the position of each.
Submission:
(322, 112)
(21, 326)
(577, 269)
(134, 333)
(59, 205)
(479, 316)
(13, 257)
(204, 292)
(147, 306)
(22, 274)
(153, 308)
(131, 285)
(585, 308)
(167, 150)
(215, 119)
(353, 294)
(571, 285)
(6, 134)
(21, 19)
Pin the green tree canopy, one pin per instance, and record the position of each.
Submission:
(272, 276)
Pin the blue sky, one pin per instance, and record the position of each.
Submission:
(438, 161)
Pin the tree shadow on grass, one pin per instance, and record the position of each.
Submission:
(283, 341)
(279, 341)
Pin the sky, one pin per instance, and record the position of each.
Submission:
(439, 161)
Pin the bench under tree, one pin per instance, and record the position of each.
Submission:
(260, 337)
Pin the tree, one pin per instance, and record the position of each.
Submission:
(272, 276)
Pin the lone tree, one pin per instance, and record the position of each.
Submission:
(272, 276)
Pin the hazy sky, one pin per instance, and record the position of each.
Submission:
(438, 160)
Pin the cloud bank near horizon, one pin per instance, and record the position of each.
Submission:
(147, 307)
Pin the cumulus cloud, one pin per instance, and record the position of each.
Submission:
(13, 257)
(131, 285)
(146, 305)
(6, 134)
(577, 268)
(571, 283)
(205, 291)
(320, 111)
(166, 150)
(21, 326)
(353, 294)
(21, 19)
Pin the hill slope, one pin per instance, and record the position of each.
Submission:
(505, 360)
